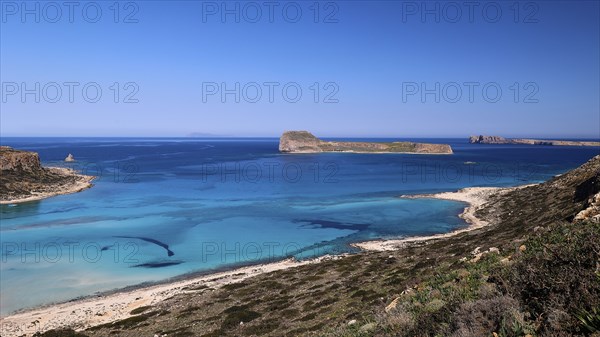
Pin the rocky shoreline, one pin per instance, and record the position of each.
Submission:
(24, 179)
(71, 182)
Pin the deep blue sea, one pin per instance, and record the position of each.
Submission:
(163, 208)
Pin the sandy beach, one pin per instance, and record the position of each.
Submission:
(474, 197)
(80, 183)
(93, 311)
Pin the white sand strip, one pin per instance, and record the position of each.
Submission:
(89, 312)
(475, 197)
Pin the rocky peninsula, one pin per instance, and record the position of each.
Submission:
(501, 140)
(23, 178)
(306, 142)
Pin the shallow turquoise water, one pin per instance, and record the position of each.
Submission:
(162, 208)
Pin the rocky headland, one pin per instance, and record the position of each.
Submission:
(23, 178)
(306, 142)
(501, 140)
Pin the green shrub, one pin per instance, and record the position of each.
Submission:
(557, 272)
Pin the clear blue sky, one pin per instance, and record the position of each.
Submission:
(373, 53)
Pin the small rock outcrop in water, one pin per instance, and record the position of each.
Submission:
(69, 158)
(501, 140)
(23, 178)
(305, 142)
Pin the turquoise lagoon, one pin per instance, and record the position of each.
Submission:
(164, 208)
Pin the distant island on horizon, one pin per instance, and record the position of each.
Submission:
(481, 139)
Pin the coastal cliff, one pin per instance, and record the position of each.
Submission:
(19, 161)
(305, 142)
(481, 139)
(23, 178)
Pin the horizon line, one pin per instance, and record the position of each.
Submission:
(320, 136)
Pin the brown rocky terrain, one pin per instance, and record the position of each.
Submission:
(19, 161)
(23, 178)
(305, 142)
(501, 140)
(531, 271)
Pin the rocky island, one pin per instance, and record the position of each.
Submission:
(23, 178)
(501, 140)
(306, 142)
